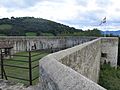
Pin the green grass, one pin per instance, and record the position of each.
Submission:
(23, 73)
(31, 34)
(109, 77)
(47, 34)
(2, 35)
(5, 26)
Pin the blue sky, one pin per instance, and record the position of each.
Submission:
(81, 14)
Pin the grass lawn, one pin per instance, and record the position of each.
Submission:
(31, 34)
(20, 72)
(5, 26)
(2, 35)
(109, 77)
(47, 34)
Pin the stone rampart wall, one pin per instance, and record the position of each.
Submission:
(22, 43)
(76, 68)
(109, 49)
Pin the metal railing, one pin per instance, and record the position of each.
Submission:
(28, 59)
(30, 67)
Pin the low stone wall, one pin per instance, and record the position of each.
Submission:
(76, 68)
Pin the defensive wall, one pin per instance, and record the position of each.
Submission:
(23, 43)
(77, 68)
(109, 50)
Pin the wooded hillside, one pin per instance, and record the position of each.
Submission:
(22, 26)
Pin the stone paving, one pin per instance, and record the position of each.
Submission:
(9, 85)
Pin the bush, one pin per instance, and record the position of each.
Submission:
(109, 77)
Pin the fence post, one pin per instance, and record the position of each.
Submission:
(1, 65)
(30, 68)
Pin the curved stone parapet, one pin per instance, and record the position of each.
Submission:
(76, 68)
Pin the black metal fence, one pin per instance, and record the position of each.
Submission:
(29, 67)
(15, 65)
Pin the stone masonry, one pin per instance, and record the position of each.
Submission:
(22, 43)
(77, 68)
(109, 48)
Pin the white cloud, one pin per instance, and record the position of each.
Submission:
(79, 13)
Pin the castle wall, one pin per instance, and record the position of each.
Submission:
(76, 68)
(109, 49)
(22, 43)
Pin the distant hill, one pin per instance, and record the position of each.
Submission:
(116, 33)
(30, 26)
(22, 26)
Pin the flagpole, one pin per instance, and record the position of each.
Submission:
(105, 30)
(104, 22)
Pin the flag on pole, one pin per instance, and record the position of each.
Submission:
(103, 21)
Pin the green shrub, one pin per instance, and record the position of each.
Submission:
(109, 77)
